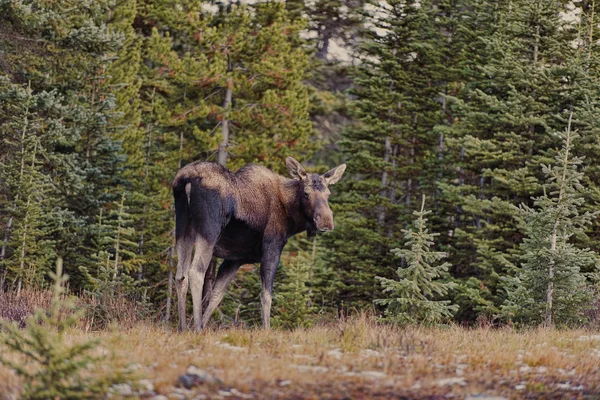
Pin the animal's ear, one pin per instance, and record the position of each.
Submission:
(332, 176)
(296, 170)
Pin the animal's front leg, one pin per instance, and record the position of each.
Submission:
(268, 267)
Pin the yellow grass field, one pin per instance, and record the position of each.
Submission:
(352, 359)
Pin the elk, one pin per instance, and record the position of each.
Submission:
(242, 217)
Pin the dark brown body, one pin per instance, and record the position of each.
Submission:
(242, 217)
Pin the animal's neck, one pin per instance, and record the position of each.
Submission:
(292, 191)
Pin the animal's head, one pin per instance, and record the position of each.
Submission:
(315, 198)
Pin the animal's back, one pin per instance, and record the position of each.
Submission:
(252, 189)
(209, 175)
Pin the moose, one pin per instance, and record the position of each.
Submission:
(243, 217)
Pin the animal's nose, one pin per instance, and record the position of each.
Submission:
(323, 223)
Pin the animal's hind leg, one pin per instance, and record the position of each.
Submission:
(185, 245)
(226, 272)
(200, 263)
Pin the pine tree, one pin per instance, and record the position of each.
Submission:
(53, 367)
(550, 288)
(27, 247)
(499, 135)
(415, 296)
(292, 297)
(391, 143)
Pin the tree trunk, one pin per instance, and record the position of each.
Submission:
(222, 156)
(384, 177)
(553, 238)
(10, 219)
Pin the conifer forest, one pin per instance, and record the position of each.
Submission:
(471, 134)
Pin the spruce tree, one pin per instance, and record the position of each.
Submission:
(416, 295)
(550, 287)
(391, 143)
(499, 135)
(50, 367)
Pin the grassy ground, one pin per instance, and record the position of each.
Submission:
(354, 359)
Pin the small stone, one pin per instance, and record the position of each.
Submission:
(310, 368)
(159, 397)
(524, 369)
(225, 393)
(374, 374)
(145, 387)
(451, 381)
(195, 376)
(587, 338)
(239, 394)
(287, 382)
(520, 387)
(541, 370)
(185, 393)
(485, 397)
(369, 353)
(134, 367)
(335, 353)
(229, 346)
(122, 389)
(201, 396)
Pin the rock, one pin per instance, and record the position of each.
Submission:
(524, 369)
(310, 368)
(122, 389)
(520, 387)
(287, 382)
(225, 393)
(369, 353)
(145, 387)
(416, 386)
(485, 397)
(229, 346)
(568, 386)
(541, 370)
(335, 353)
(239, 394)
(201, 396)
(195, 376)
(181, 394)
(590, 337)
(451, 381)
(159, 397)
(134, 367)
(373, 374)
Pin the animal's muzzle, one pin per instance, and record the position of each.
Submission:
(324, 223)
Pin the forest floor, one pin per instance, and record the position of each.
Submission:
(352, 359)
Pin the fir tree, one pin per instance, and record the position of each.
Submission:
(391, 142)
(415, 296)
(550, 288)
(57, 366)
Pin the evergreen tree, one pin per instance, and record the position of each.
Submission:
(550, 288)
(292, 297)
(57, 365)
(415, 296)
(498, 137)
(391, 143)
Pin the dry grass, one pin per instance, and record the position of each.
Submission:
(359, 359)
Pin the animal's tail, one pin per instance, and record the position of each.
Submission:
(183, 216)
